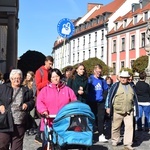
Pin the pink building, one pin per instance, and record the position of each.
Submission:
(127, 39)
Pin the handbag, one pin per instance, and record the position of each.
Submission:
(4, 120)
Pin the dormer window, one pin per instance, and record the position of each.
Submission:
(116, 25)
(87, 24)
(135, 19)
(91, 23)
(104, 17)
(146, 16)
(125, 23)
(99, 19)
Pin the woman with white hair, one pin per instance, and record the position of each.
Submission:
(17, 100)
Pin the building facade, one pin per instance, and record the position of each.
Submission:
(8, 34)
(89, 39)
(127, 39)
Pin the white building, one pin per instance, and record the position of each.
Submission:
(89, 39)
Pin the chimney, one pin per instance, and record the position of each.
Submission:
(91, 5)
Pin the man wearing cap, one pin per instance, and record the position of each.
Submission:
(120, 104)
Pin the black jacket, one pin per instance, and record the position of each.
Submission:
(143, 91)
(75, 83)
(6, 93)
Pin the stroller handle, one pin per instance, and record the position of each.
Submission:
(52, 116)
(49, 116)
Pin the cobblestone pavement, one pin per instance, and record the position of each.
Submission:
(142, 143)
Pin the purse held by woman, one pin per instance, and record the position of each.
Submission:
(4, 120)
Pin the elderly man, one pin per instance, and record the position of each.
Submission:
(120, 104)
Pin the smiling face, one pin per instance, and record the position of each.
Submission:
(97, 72)
(16, 80)
(80, 70)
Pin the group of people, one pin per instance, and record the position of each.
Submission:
(122, 101)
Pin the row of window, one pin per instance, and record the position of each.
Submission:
(132, 45)
(92, 22)
(89, 54)
(89, 39)
(122, 65)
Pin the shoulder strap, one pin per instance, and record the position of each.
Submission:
(15, 96)
(41, 71)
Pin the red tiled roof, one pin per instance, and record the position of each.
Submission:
(147, 7)
(111, 7)
(130, 14)
(118, 19)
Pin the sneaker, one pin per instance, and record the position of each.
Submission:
(102, 138)
(38, 139)
(114, 144)
(128, 148)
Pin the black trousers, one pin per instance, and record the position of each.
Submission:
(98, 108)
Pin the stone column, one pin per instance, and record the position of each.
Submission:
(11, 54)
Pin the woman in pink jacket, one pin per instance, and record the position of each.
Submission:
(53, 96)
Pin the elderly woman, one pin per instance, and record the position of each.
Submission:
(54, 96)
(18, 100)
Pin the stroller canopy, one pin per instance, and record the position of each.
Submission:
(74, 125)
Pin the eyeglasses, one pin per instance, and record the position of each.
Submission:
(16, 78)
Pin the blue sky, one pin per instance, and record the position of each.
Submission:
(39, 19)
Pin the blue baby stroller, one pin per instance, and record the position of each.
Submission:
(72, 128)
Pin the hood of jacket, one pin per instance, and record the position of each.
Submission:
(57, 86)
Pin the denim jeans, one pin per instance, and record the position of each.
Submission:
(146, 110)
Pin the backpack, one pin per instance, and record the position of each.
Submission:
(34, 82)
